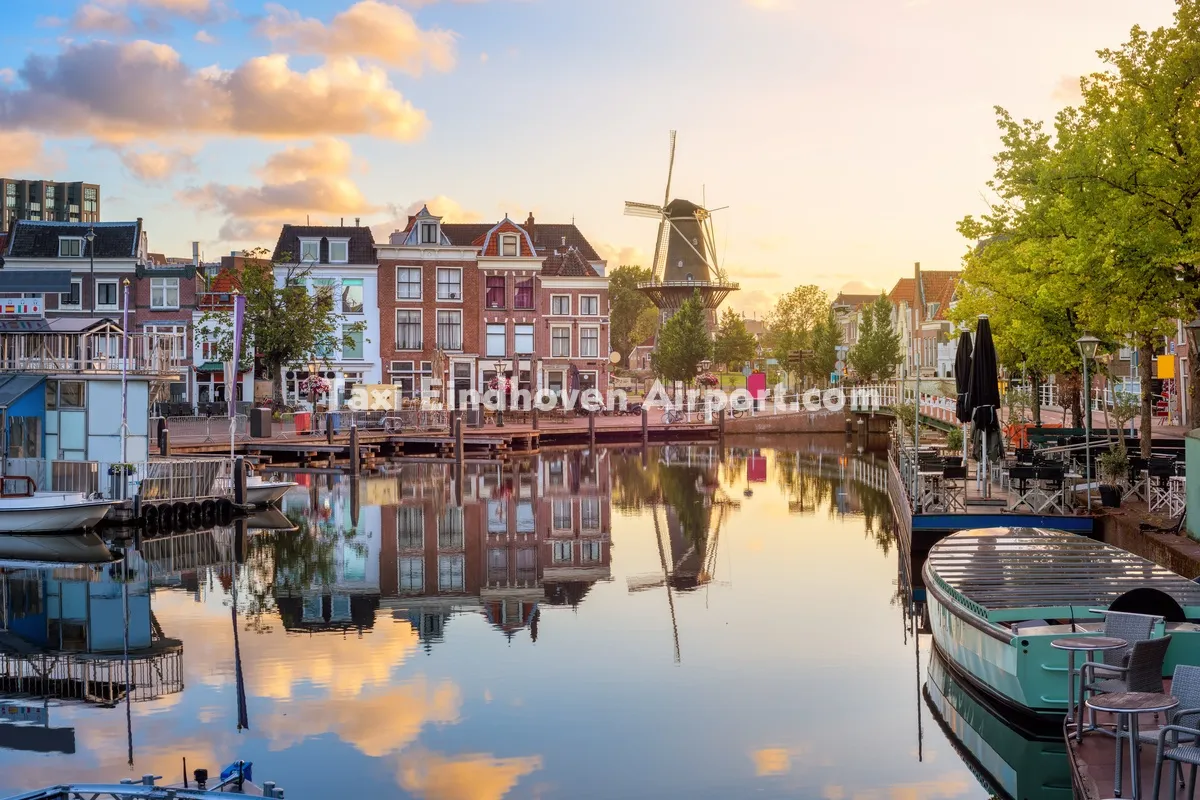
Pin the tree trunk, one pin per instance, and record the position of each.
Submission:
(1145, 360)
(1077, 401)
(1035, 401)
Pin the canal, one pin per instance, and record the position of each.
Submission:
(577, 625)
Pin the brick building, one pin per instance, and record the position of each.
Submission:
(482, 295)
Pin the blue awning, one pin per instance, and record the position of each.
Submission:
(36, 280)
(14, 386)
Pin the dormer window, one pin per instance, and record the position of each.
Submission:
(310, 251)
(931, 309)
(508, 245)
(429, 233)
(339, 251)
(70, 247)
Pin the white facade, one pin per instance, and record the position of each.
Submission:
(93, 433)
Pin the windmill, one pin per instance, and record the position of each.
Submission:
(685, 262)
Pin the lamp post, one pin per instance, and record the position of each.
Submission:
(91, 237)
(501, 385)
(124, 389)
(1087, 348)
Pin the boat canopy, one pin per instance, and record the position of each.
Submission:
(994, 571)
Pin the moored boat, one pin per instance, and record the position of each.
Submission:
(25, 550)
(49, 512)
(264, 493)
(998, 597)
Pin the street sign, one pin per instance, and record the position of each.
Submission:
(746, 370)
(839, 365)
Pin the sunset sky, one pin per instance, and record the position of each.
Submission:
(845, 137)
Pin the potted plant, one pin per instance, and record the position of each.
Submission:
(118, 473)
(1112, 467)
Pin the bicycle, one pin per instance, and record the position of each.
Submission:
(672, 415)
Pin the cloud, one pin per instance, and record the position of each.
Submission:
(204, 37)
(618, 256)
(118, 92)
(154, 166)
(746, 273)
(858, 287)
(92, 18)
(481, 776)
(752, 303)
(771, 761)
(483, 58)
(194, 10)
(447, 208)
(369, 29)
(23, 152)
(8, 75)
(1067, 90)
(297, 182)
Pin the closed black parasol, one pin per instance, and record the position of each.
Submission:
(962, 376)
(983, 388)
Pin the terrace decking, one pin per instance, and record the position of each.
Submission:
(1092, 763)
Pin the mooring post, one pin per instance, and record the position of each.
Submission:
(534, 417)
(164, 441)
(355, 464)
(458, 442)
(592, 429)
(645, 427)
(239, 480)
(721, 427)
(329, 427)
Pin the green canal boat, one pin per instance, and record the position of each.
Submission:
(997, 598)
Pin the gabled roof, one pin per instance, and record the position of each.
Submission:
(854, 301)
(546, 237)
(159, 259)
(489, 243)
(648, 343)
(939, 288)
(39, 238)
(568, 264)
(225, 281)
(412, 235)
(362, 242)
(905, 291)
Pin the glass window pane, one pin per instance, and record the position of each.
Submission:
(495, 340)
(495, 291)
(352, 348)
(339, 252)
(523, 297)
(408, 283)
(352, 296)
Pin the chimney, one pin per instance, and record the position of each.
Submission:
(531, 228)
(195, 254)
(341, 222)
(356, 220)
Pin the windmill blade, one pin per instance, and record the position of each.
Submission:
(670, 170)
(658, 267)
(648, 210)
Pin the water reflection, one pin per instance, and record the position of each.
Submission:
(684, 613)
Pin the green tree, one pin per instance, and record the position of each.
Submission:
(791, 322)
(285, 324)
(826, 338)
(683, 342)
(632, 317)
(734, 345)
(877, 351)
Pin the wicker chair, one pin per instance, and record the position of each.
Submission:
(1182, 729)
(1141, 673)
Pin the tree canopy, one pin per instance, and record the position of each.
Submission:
(791, 322)
(877, 352)
(683, 342)
(734, 345)
(826, 338)
(632, 317)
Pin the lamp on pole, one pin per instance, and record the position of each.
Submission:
(91, 237)
(1087, 348)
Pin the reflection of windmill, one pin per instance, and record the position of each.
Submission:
(685, 261)
(683, 574)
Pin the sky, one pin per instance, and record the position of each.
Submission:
(844, 139)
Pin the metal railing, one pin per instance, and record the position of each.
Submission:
(168, 479)
(57, 353)
(207, 429)
(93, 679)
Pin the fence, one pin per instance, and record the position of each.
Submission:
(92, 678)
(174, 479)
(207, 429)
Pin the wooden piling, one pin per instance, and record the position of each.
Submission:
(534, 416)
(721, 429)
(239, 480)
(329, 427)
(645, 427)
(592, 429)
(458, 442)
(355, 456)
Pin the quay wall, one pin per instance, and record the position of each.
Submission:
(1179, 554)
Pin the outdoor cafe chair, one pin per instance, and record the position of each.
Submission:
(1141, 673)
(1158, 482)
(1179, 740)
(954, 488)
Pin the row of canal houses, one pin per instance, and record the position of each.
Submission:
(529, 300)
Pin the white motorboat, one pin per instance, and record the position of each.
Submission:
(50, 512)
(26, 550)
(264, 493)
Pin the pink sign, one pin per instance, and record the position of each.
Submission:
(756, 384)
(756, 469)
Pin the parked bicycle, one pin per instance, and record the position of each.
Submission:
(672, 415)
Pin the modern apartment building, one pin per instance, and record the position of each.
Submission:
(50, 201)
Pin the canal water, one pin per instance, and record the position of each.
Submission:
(577, 625)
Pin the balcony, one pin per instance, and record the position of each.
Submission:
(87, 347)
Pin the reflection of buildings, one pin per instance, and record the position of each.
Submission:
(63, 635)
(526, 533)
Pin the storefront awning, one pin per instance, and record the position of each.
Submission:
(211, 366)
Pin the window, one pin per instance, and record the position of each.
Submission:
(525, 517)
(589, 513)
(408, 330)
(352, 346)
(562, 515)
(71, 394)
(523, 296)
(560, 342)
(496, 333)
(450, 573)
(429, 233)
(589, 342)
(323, 289)
(497, 516)
(450, 529)
(498, 561)
(412, 575)
(408, 283)
(24, 437)
(589, 552)
(495, 291)
(563, 552)
(410, 528)
(310, 250)
(164, 293)
(508, 245)
(68, 246)
(523, 335)
(74, 298)
(589, 305)
(560, 304)
(408, 379)
(449, 330)
(352, 296)
(339, 251)
(106, 294)
(587, 380)
(554, 381)
(449, 284)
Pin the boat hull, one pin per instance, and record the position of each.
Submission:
(267, 493)
(25, 550)
(51, 513)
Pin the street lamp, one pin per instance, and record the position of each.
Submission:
(1087, 348)
(91, 237)
(312, 391)
(501, 385)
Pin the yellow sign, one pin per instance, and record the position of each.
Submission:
(1166, 368)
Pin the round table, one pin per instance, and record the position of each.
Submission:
(1090, 645)
(1127, 706)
